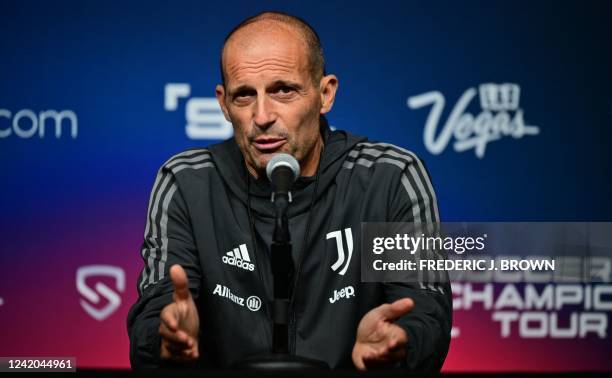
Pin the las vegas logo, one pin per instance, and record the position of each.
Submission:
(500, 117)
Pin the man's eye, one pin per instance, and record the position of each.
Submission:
(242, 96)
(285, 90)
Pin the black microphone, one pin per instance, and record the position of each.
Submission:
(282, 171)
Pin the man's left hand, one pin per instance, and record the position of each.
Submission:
(380, 342)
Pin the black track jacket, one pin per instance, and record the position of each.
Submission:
(198, 218)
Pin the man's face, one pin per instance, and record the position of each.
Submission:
(269, 94)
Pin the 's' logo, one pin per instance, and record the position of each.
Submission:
(93, 296)
(204, 117)
(342, 259)
(501, 117)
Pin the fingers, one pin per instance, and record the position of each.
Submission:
(170, 318)
(180, 282)
(177, 345)
(179, 322)
(179, 339)
(368, 357)
(386, 349)
(357, 356)
(175, 353)
(392, 311)
(376, 358)
(397, 337)
(359, 364)
(169, 328)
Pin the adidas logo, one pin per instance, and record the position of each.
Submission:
(239, 257)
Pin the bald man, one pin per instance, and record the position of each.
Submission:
(205, 291)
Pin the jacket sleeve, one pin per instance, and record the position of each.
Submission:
(428, 325)
(168, 240)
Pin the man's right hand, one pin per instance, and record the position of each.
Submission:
(180, 324)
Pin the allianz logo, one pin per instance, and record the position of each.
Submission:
(501, 117)
(203, 115)
(27, 123)
(345, 293)
(239, 257)
(253, 302)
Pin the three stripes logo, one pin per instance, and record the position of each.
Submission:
(342, 261)
(239, 257)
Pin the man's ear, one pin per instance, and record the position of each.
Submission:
(220, 92)
(328, 86)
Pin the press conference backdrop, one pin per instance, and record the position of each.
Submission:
(508, 103)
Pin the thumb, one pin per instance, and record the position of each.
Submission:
(392, 311)
(180, 283)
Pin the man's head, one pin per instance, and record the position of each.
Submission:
(274, 89)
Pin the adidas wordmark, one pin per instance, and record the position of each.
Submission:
(239, 257)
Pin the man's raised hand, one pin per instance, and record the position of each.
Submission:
(179, 322)
(380, 342)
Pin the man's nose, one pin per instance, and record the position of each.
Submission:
(264, 115)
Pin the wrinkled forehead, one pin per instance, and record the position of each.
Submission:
(265, 48)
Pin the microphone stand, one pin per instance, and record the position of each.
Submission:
(282, 273)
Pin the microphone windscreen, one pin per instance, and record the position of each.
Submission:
(286, 160)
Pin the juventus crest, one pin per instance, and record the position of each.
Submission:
(344, 259)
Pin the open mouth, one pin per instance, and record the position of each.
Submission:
(267, 145)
